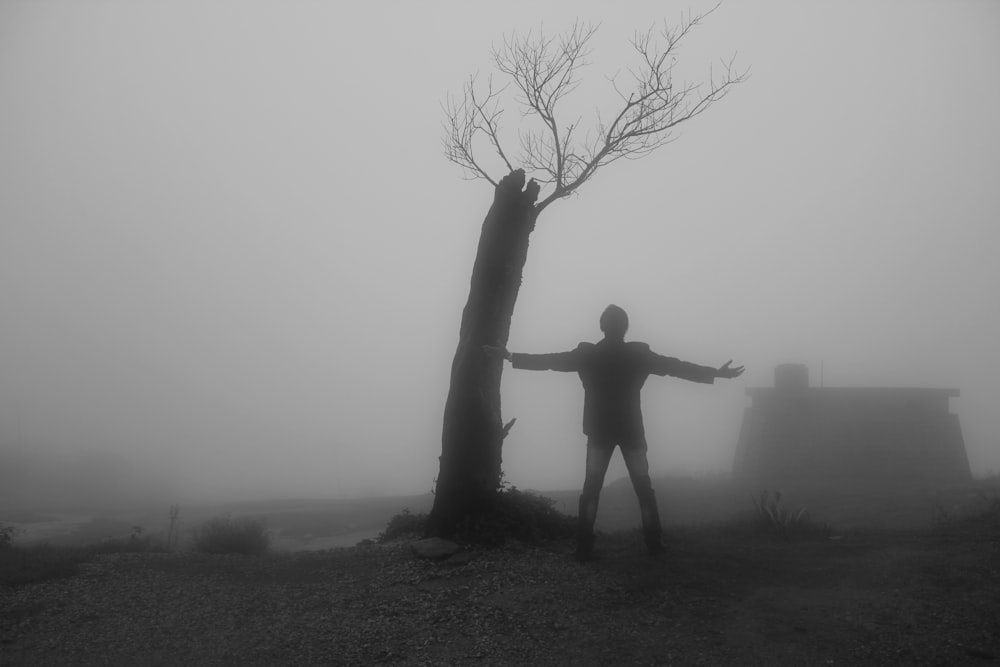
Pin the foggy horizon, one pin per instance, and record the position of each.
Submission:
(233, 252)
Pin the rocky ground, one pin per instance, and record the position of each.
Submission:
(720, 596)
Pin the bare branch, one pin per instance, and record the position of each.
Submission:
(463, 121)
(543, 70)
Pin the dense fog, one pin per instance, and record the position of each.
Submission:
(233, 257)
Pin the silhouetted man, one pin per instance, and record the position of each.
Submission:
(613, 372)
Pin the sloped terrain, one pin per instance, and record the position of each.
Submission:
(723, 594)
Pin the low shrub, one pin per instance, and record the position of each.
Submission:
(228, 535)
(133, 544)
(517, 515)
(404, 525)
(527, 517)
(27, 565)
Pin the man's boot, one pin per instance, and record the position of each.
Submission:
(585, 529)
(651, 529)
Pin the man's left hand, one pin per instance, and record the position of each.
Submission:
(729, 372)
(496, 351)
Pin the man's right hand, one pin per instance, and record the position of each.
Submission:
(729, 372)
(494, 351)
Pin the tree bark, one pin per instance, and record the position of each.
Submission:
(473, 433)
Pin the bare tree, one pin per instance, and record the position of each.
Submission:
(560, 157)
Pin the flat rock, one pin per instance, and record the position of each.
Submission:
(461, 558)
(434, 548)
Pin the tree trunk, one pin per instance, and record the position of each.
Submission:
(473, 433)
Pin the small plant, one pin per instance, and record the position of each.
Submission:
(781, 521)
(7, 536)
(943, 514)
(226, 535)
(173, 526)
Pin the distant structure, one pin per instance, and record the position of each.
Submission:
(848, 436)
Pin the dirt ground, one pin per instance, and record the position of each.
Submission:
(721, 595)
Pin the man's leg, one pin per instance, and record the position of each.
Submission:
(598, 458)
(638, 471)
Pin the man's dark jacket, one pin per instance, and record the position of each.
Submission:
(613, 374)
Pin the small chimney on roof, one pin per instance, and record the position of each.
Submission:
(791, 377)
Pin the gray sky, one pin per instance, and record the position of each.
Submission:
(230, 244)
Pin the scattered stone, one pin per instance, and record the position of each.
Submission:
(434, 548)
(460, 558)
(980, 653)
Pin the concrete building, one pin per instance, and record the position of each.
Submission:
(856, 436)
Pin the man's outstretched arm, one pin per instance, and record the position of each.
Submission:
(686, 370)
(557, 361)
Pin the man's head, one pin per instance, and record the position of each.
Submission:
(614, 322)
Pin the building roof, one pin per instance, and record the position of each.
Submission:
(902, 392)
